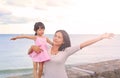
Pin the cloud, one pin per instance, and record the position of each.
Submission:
(23, 11)
(21, 3)
(13, 20)
(57, 3)
(37, 3)
(4, 10)
(6, 17)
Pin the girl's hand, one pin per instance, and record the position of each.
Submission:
(107, 35)
(14, 38)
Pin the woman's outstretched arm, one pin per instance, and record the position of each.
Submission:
(99, 38)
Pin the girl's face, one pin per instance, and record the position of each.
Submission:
(58, 39)
(40, 31)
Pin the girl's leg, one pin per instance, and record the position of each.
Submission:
(40, 71)
(35, 69)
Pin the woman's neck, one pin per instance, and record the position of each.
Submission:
(54, 50)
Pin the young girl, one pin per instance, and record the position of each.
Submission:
(40, 40)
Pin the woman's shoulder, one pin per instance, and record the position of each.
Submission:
(75, 47)
(71, 50)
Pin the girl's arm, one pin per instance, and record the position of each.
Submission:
(24, 36)
(49, 41)
(92, 41)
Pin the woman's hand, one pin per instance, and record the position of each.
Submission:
(107, 35)
(35, 48)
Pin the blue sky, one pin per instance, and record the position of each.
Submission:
(74, 16)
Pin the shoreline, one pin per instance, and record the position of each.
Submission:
(22, 76)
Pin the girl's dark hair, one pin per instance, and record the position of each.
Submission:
(66, 40)
(38, 25)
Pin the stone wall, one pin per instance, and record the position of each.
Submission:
(106, 69)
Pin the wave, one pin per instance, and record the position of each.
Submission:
(14, 72)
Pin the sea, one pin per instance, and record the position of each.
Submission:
(15, 61)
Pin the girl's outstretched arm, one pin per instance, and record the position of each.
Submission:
(92, 41)
(24, 36)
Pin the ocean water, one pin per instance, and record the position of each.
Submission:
(15, 61)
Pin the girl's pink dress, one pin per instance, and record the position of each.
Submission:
(43, 55)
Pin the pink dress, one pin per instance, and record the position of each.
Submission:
(42, 56)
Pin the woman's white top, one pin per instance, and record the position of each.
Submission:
(55, 68)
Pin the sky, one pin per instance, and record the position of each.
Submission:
(74, 16)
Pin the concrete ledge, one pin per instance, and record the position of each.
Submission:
(106, 69)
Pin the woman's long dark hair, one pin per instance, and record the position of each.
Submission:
(66, 40)
(38, 25)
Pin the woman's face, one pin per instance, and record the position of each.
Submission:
(58, 39)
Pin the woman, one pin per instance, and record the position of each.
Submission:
(61, 50)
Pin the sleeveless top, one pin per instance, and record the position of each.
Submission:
(43, 55)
